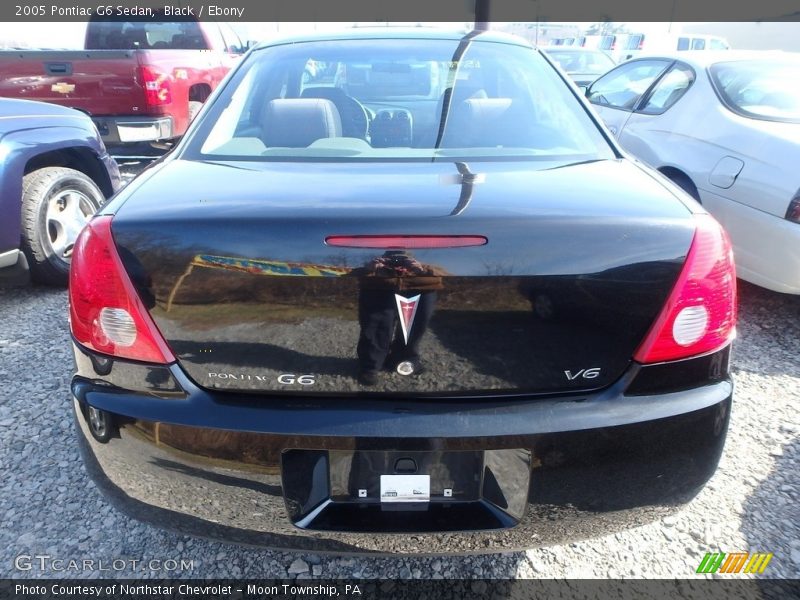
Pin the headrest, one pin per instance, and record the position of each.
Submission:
(298, 122)
(480, 110)
(459, 93)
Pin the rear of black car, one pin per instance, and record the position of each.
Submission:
(409, 294)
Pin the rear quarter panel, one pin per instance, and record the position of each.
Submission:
(770, 152)
(697, 132)
(680, 137)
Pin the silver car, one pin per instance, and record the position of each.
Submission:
(725, 127)
(582, 65)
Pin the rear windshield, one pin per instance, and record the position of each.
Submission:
(120, 35)
(396, 99)
(760, 89)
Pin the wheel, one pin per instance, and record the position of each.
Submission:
(100, 424)
(56, 203)
(194, 108)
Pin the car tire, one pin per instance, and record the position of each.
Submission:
(194, 108)
(56, 203)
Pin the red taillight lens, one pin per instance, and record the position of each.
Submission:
(157, 88)
(793, 212)
(106, 314)
(700, 314)
(402, 242)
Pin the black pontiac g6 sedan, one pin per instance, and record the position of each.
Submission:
(401, 282)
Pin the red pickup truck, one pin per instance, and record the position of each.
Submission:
(139, 81)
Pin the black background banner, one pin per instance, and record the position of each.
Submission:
(365, 11)
(491, 589)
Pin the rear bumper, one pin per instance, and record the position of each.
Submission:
(123, 130)
(286, 473)
(14, 268)
(766, 247)
(768, 251)
(9, 259)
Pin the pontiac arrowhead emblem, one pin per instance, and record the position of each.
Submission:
(62, 87)
(406, 308)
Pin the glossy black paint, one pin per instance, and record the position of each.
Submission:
(598, 462)
(531, 406)
(682, 375)
(571, 278)
(131, 376)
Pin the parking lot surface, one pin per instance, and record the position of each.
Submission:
(50, 507)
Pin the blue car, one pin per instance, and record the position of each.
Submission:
(54, 175)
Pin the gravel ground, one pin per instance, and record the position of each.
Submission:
(48, 505)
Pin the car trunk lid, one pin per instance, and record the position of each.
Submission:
(250, 297)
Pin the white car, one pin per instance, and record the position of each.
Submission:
(725, 127)
(638, 44)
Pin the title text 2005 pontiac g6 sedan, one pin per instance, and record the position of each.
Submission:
(415, 289)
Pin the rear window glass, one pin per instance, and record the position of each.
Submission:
(397, 99)
(622, 87)
(119, 35)
(669, 90)
(760, 89)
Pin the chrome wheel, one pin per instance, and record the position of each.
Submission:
(97, 421)
(56, 203)
(67, 213)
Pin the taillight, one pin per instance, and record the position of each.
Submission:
(157, 89)
(106, 313)
(700, 314)
(793, 212)
(398, 242)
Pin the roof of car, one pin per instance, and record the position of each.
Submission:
(397, 33)
(705, 58)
